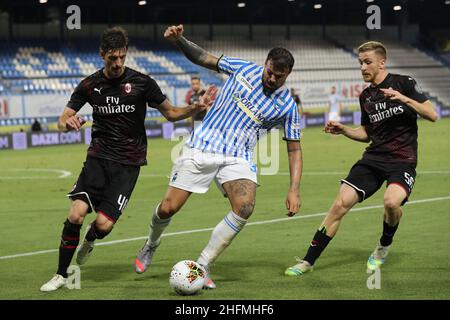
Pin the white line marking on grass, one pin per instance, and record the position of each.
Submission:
(62, 174)
(107, 243)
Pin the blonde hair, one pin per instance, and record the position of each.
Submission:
(378, 47)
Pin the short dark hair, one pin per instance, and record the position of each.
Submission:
(376, 46)
(114, 38)
(195, 78)
(281, 58)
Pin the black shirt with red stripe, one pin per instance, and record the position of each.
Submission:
(390, 124)
(119, 108)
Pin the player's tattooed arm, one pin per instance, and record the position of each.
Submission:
(192, 51)
(295, 169)
(197, 54)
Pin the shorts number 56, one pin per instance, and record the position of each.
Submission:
(409, 180)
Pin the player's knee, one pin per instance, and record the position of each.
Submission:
(78, 211)
(246, 210)
(102, 229)
(390, 204)
(167, 208)
(340, 207)
(76, 217)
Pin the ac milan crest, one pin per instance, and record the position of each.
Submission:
(127, 88)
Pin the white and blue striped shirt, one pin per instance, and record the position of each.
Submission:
(242, 113)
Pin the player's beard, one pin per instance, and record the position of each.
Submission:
(268, 88)
(368, 77)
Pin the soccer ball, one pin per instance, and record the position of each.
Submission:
(187, 277)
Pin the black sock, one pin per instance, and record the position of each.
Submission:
(70, 238)
(318, 244)
(388, 234)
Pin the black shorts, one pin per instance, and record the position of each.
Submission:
(106, 186)
(367, 176)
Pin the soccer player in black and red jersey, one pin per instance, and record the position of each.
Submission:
(389, 110)
(119, 97)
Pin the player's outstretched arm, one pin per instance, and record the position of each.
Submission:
(69, 121)
(172, 113)
(357, 134)
(293, 202)
(192, 51)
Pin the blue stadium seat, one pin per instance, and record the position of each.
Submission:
(46, 66)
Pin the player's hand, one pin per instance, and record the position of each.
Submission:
(393, 94)
(174, 33)
(334, 127)
(74, 123)
(199, 107)
(209, 96)
(293, 203)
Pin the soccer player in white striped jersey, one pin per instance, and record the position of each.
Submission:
(253, 100)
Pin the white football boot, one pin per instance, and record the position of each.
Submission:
(55, 283)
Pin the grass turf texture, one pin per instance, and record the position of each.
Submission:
(33, 208)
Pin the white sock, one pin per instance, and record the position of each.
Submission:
(221, 237)
(156, 228)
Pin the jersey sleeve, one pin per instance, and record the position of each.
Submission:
(79, 97)
(364, 116)
(291, 122)
(413, 91)
(229, 65)
(153, 94)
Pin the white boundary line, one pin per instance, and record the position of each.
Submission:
(62, 174)
(107, 243)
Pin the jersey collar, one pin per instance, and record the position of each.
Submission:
(382, 84)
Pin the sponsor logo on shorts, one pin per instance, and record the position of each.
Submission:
(174, 177)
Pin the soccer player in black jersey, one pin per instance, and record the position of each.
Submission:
(389, 110)
(119, 97)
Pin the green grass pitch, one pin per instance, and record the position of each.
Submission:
(33, 206)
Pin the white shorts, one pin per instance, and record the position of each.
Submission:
(195, 170)
(334, 116)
